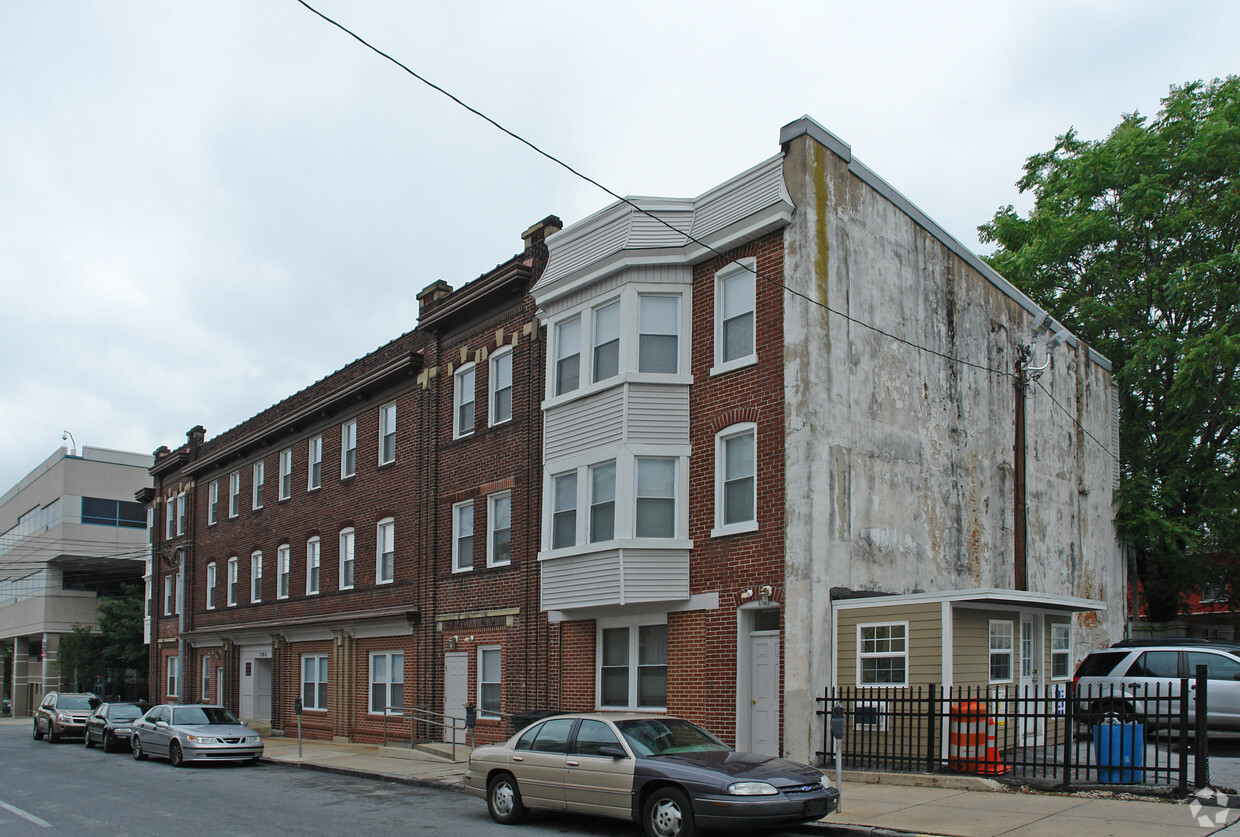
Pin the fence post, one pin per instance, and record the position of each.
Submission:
(1069, 730)
(1183, 713)
(932, 720)
(1201, 746)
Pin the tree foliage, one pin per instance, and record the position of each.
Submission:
(78, 657)
(120, 629)
(1133, 243)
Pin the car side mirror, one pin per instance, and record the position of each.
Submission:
(244, 723)
(612, 750)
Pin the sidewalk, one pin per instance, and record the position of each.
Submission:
(874, 804)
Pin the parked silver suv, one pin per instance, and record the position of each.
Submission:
(63, 714)
(1140, 678)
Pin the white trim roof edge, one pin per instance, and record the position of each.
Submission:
(979, 594)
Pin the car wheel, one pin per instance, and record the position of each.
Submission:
(667, 813)
(504, 800)
(136, 744)
(52, 735)
(38, 733)
(106, 743)
(86, 740)
(174, 755)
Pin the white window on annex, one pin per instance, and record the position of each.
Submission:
(286, 473)
(284, 570)
(632, 668)
(734, 316)
(463, 398)
(489, 664)
(658, 339)
(736, 480)
(346, 559)
(655, 509)
(211, 586)
(882, 654)
(314, 470)
(348, 449)
(499, 529)
(387, 434)
(256, 577)
(1000, 651)
(260, 471)
(463, 536)
(568, 356)
(1061, 651)
(606, 339)
(234, 494)
(501, 386)
(314, 681)
(385, 551)
(312, 566)
(602, 502)
(233, 582)
(387, 681)
(564, 510)
(213, 501)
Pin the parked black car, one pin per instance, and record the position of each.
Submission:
(112, 723)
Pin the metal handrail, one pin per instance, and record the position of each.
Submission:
(426, 716)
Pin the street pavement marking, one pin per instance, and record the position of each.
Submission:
(25, 816)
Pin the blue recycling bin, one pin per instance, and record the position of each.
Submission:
(1120, 751)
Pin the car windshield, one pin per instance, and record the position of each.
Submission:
(665, 736)
(193, 716)
(125, 713)
(75, 702)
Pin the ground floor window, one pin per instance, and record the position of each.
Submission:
(633, 667)
(314, 681)
(387, 680)
(882, 654)
(489, 661)
(1061, 651)
(206, 681)
(173, 666)
(1000, 651)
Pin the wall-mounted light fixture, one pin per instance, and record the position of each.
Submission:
(746, 594)
(452, 642)
(764, 594)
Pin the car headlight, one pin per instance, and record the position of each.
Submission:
(752, 789)
(253, 739)
(65, 719)
(198, 739)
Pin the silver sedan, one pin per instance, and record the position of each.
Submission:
(194, 732)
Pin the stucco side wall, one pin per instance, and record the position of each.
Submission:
(901, 460)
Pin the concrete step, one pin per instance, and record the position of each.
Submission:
(427, 751)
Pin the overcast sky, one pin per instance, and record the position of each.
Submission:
(207, 206)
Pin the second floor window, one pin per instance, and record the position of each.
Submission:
(170, 518)
(658, 340)
(463, 536)
(463, 397)
(168, 600)
(283, 571)
(736, 474)
(603, 502)
(387, 434)
(499, 527)
(211, 586)
(564, 510)
(607, 342)
(656, 498)
(568, 356)
(286, 473)
(734, 316)
(260, 472)
(346, 559)
(181, 513)
(256, 577)
(234, 494)
(232, 581)
(348, 449)
(385, 551)
(501, 386)
(312, 566)
(314, 476)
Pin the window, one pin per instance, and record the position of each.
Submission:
(1218, 666)
(564, 510)
(348, 449)
(284, 571)
(180, 594)
(882, 654)
(181, 513)
(173, 671)
(591, 737)
(1061, 651)
(346, 559)
(1164, 664)
(256, 577)
(463, 398)
(656, 498)
(568, 356)
(734, 316)
(96, 511)
(169, 518)
(286, 473)
(387, 680)
(607, 342)
(314, 681)
(213, 499)
(633, 667)
(1000, 652)
(232, 581)
(463, 536)
(234, 493)
(211, 586)
(735, 480)
(168, 600)
(488, 681)
(260, 471)
(603, 502)
(658, 339)
(385, 551)
(1026, 648)
(499, 529)
(312, 566)
(501, 386)
(206, 681)
(387, 434)
(314, 470)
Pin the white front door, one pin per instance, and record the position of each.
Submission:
(455, 693)
(764, 694)
(1028, 691)
(262, 689)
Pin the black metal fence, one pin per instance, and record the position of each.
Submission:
(1144, 738)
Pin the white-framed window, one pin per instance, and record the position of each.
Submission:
(463, 385)
(256, 576)
(170, 515)
(564, 510)
(348, 449)
(1001, 637)
(655, 509)
(736, 493)
(346, 559)
(168, 595)
(213, 501)
(180, 594)
(312, 566)
(501, 386)
(181, 513)
(234, 494)
(602, 502)
(284, 570)
(286, 473)
(206, 681)
(734, 316)
(314, 468)
(211, 586)
(385, 551)
(489, 666)
(174, 665)
(568, 356)
(632, 667)
(1026, 648)
(463, 536)
(260, 475)
(606, 339)
(387, 434)
(658, 336)
(314, 681)
(882, 654)
(1061, 651)
(387, 681)
(233, 581)
(499, 529)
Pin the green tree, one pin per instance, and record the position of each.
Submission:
(120, 628)
(1133, 243)
(79, 658)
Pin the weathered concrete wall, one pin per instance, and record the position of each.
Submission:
(905, 458)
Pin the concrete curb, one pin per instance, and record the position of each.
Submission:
(361, 773)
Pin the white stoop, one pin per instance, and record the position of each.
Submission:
(436, 751)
